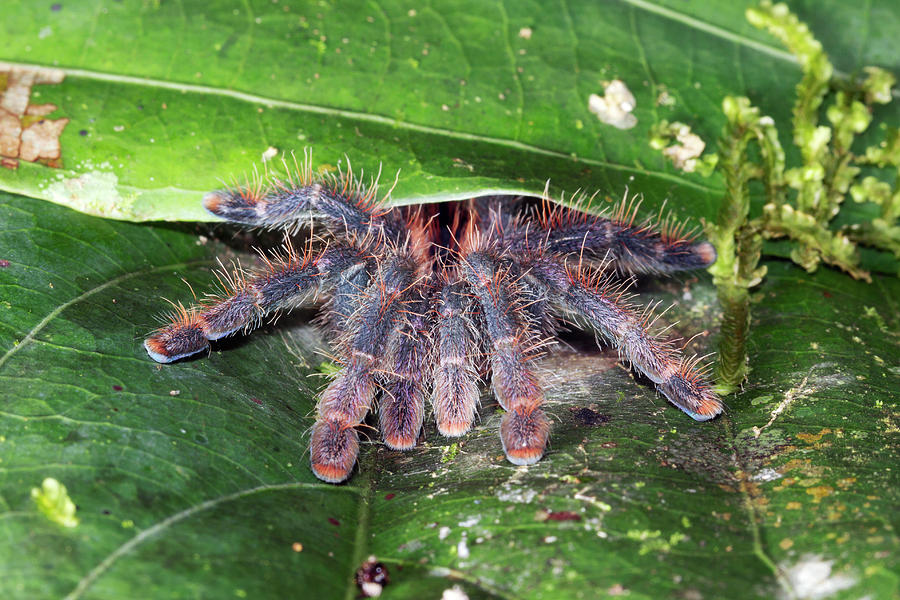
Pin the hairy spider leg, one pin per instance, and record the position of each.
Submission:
(341, 201)
(455, 393)
(524, 429)
(287, 281)
(349, 275)
(633, 248)
(343, 405)
(601, 302)
(402, 406)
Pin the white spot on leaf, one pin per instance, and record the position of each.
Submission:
(470, 521)
(684, 154)
(454, 593)
(811, 578)
(766, 474)
(270, 153)
(462, 549)
(616, 106)
(94, 192)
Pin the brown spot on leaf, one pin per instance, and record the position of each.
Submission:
(804, 466)
(39, 110)
(820, 491)
(812, 438)
(41, 140)
(563, 515)
(10, 132)
(24, 132)
(841, 483)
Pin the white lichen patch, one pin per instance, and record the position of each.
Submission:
(462, 549)
(370, 589)
(766, 474)
(811, 578)
(665, 99)
(688, 148)
(53, 500)
(412, 546)
(454, 593)
(812, 382)
(94, 192)
(592, 500)
(512, 489)
(270, 153)
(471, 521)
(615, 106)
(511, 493)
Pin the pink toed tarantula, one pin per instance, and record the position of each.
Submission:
(422, 300)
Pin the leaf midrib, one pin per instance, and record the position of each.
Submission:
(29, 337)
(361, 116)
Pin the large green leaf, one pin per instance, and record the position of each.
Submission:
(191, 479)
(168, 98)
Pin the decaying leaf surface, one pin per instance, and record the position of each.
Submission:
(168, 98)
(192, 479)
(25, 132)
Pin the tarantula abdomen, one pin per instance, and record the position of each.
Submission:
(421, 302)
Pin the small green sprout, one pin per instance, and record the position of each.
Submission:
(54, 502)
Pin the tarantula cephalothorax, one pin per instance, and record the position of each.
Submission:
(422, 300)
